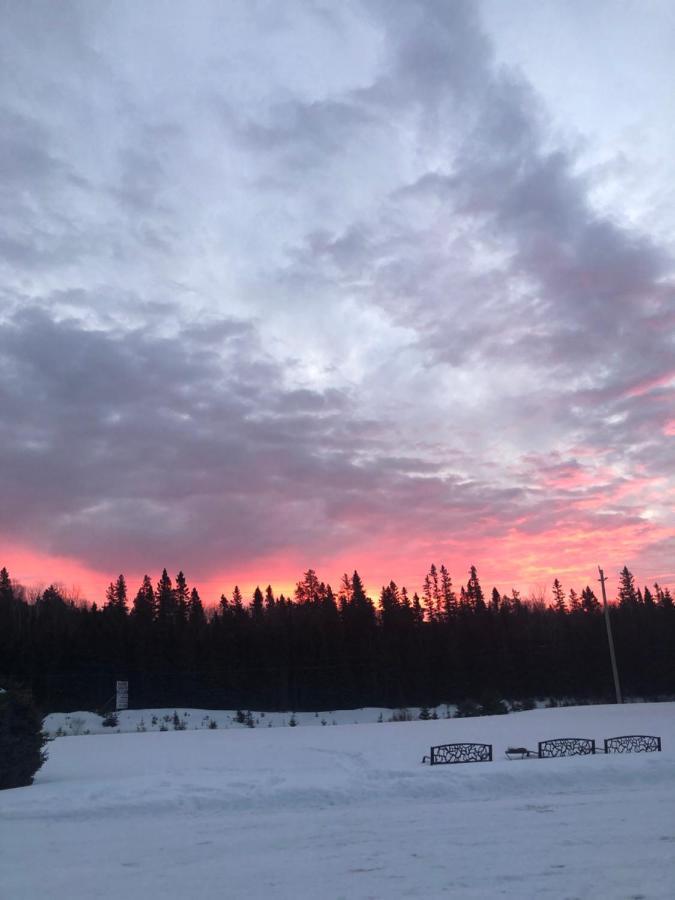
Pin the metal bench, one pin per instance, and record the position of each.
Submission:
(566, 747)
(447, 754)
(633, 743)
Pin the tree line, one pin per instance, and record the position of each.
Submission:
(321, 649)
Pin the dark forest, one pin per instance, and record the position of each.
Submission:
(326, 650)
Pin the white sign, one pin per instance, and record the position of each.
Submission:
(122, 694)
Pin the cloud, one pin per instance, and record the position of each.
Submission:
(298, 282)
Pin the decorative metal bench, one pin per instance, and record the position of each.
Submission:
(633, 743)
(446, 754)
(566, 747)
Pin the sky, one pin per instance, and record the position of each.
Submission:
(360, 285)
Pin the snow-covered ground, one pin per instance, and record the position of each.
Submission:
(347, 812)
(60, 724)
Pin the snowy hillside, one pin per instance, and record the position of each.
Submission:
(61, 724)
(347, 812)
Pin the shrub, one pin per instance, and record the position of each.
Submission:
(111, 720)
(401, 715)
(467, 709)
(492, 705)
(21, 738)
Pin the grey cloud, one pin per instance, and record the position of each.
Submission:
(191, 248)
(124, 449)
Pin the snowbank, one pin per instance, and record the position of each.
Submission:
(347, 812)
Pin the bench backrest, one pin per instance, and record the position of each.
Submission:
(566, 747)
(633, 743)
(445, 754)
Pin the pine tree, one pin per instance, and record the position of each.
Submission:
(558, 597)
(238, 603)
(116, 597)
(474, 591)
(6, 589)
(195, 610)
(389, 604)
(144, 607)
(21, 738)
(435, 591)
(257, 605)
(165, 599)
(589, 602)
(575, 603)
(627, 594)
(344, 592)
(448, 594)
(307, 590)
(182, 597)
(417, 610)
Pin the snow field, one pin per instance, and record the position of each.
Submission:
(347, 812)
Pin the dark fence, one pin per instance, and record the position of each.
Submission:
(566, 747)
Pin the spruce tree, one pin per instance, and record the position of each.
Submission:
(195, 610)
(474, 591)
(6, 589)
(165, 599)
(144, 605)
(558, 597)
(589, 602)
(257, 605)
(627, 595)
(21, 739)
(182, 598)
(448, 595)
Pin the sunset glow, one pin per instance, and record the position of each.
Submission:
(296, 288)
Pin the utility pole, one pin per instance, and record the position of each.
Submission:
(610, 639)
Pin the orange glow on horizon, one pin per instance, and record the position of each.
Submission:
(528, 562)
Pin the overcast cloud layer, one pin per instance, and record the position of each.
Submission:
(329, 285)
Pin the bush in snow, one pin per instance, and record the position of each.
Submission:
(21, 738)
(467, 709)
(111, 720)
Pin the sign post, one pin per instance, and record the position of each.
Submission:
(121, 695)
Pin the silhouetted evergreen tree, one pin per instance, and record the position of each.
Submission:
(474, 592)
(559, 604)
(166, 600)
(144, 605)
(627, 594)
